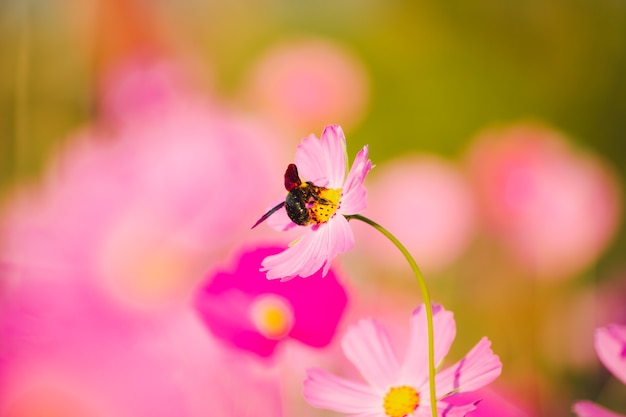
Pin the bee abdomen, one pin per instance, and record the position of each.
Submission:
(296, 206)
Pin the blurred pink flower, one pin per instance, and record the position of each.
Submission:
(556, 207)
(301, 83)
(323, 163)
(397, 389)
(610, 344)
(100, 257)
(427, 204)
(246, 310)
(141, 86)
(66, 351)
(147, 203)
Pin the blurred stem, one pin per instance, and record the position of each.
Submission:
(427, 304)
(22, 67)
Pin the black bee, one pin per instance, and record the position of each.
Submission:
(302, 197)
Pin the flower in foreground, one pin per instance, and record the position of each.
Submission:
(247, 311)
(398, 389)
(610, 344)
(330, 195)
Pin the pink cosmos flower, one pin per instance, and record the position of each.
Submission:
(322, 163)
(398, 389)
(248, 311)
(610, 344)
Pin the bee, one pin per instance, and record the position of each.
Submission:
(304, 202)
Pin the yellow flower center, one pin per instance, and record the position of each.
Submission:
(272, 316)
(325, 205)
(401, 401)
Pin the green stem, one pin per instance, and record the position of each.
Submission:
(427, 304)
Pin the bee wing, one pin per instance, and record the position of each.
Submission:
(268, 214)
(292, 179)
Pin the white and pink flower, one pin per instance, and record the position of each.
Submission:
(322, 162)
(399, 389)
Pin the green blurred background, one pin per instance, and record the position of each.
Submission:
(440, 71)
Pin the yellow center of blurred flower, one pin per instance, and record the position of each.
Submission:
(272, 316)
(323, 208)
(401, 401)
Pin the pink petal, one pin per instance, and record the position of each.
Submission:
(477, 369)
(369, 414)
(415, 367)
(341, 239)
(323, 161)
(589, 409)
(334, 144)
(325, 390)
(610, 344)
(366, 344)
(315, 250)
(298, 259)
(443, 409)
(447, 410)
(354, 198)
(226, 314)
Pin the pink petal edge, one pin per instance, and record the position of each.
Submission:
(610, 345)
(334, 144)
(367, 346)
(477, 369)
(328, 391)
(313, 251)
(354, 198)
(590, 409)
(323, 161)
(415, 366)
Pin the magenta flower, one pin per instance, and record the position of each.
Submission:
(610, 344)
(396, 389)
(330, 195)
(246, 310)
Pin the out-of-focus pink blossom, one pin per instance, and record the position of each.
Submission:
(395, 388)
(323, 162)
(142, 86)
(610, 344)
(556, 207)
(427, 204)
(303, 83)
(69, 352)
(145, 205)
(246, 310)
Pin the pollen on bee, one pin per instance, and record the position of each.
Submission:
(325, 205)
